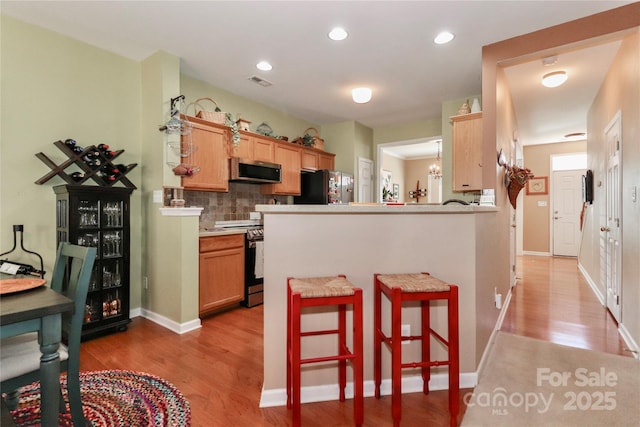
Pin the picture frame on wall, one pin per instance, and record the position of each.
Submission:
(385, 185)
(538, 185)
(396, 192)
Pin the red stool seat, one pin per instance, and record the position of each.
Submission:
(425, 288)
(324, 291)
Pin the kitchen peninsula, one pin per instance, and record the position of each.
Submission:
(451, 242)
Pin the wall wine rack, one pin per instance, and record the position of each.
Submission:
(89, 172)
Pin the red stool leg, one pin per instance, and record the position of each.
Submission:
(289, 302)
(454, 356)
(426, 343)
(358, 361)
(342, 349)
(396, 355)
(377, 339)
(295, 359)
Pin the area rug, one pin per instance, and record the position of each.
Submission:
(112, 399)
(529, 382)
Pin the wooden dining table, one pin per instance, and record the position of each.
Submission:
(39, 310)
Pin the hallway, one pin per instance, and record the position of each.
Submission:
(552, 301)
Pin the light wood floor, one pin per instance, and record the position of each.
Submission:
(219, 367)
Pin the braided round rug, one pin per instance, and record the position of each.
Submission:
(114, 398)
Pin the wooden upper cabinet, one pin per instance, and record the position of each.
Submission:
(313, 160)
(288, 155)
(326, 161)
(244, 149)
(210, 155)
(467, 152)
(263, 149)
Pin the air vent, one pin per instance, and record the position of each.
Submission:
(260, 81)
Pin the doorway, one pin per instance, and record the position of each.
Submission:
(610, 229)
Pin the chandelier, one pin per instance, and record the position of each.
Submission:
(434, 169)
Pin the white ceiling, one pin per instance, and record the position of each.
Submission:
(389, 48)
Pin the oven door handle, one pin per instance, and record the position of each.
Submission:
(252, 244)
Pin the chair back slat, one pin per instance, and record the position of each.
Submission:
(71, 277)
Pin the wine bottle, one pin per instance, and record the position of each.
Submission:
(77, 176)
(77, 149)
(70, 142)
(122, 168)
(17, 268)
(103, 147)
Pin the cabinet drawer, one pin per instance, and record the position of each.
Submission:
(216, 243)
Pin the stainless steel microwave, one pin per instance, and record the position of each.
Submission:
(254, 171)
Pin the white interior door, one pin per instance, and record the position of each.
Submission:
(365, 180)
(611, 230)
(567, 202)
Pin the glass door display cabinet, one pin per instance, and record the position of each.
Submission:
(99, 217)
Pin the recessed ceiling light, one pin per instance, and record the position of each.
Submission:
(264, 66)
(554, 79)
(443, 37)
(338, 34)
(361, 95)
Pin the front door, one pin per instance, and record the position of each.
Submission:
(611, 229)
(567, 202)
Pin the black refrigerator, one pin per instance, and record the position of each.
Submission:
(325, 187)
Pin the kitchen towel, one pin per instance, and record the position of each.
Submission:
(258, 268)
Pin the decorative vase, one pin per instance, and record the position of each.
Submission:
(475, 106)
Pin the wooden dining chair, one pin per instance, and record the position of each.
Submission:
(20, 356)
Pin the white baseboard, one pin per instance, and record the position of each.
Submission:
(178, 328)
(536, 253)
(592, 284)
(323, 393)
(628, 339)
(485, 353)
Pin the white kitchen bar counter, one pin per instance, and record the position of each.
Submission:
(452, 242)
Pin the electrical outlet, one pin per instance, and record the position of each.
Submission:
(405, 331)
(145, 282)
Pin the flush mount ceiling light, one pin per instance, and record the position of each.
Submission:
(264, 66)
(361, 95)
(338, 34)
(554, 79)
(443, 37)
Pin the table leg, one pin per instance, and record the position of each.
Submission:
(49, 340)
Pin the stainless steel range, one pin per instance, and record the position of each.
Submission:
(253, 267)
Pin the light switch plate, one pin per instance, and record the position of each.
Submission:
(542, 203)
(157, 196)
(634, 194)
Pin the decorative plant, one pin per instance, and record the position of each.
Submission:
(235, 134)
(387, 194)
(308, 140)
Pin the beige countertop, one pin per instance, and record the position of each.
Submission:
(374, 208)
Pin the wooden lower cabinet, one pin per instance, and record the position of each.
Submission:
(221, 272)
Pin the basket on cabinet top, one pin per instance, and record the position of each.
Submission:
(215, 116)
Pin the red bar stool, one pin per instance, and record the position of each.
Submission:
(425, 288)
(324, 291)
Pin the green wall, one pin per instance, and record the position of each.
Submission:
(54, 87)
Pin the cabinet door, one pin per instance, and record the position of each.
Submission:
(467, 152)
(244, 149)
(309, 160)
(326, 161)
(263, 149)
(221, 278)
(210, 156)
(288, 155)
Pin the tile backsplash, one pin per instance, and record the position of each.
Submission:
(232, 206)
